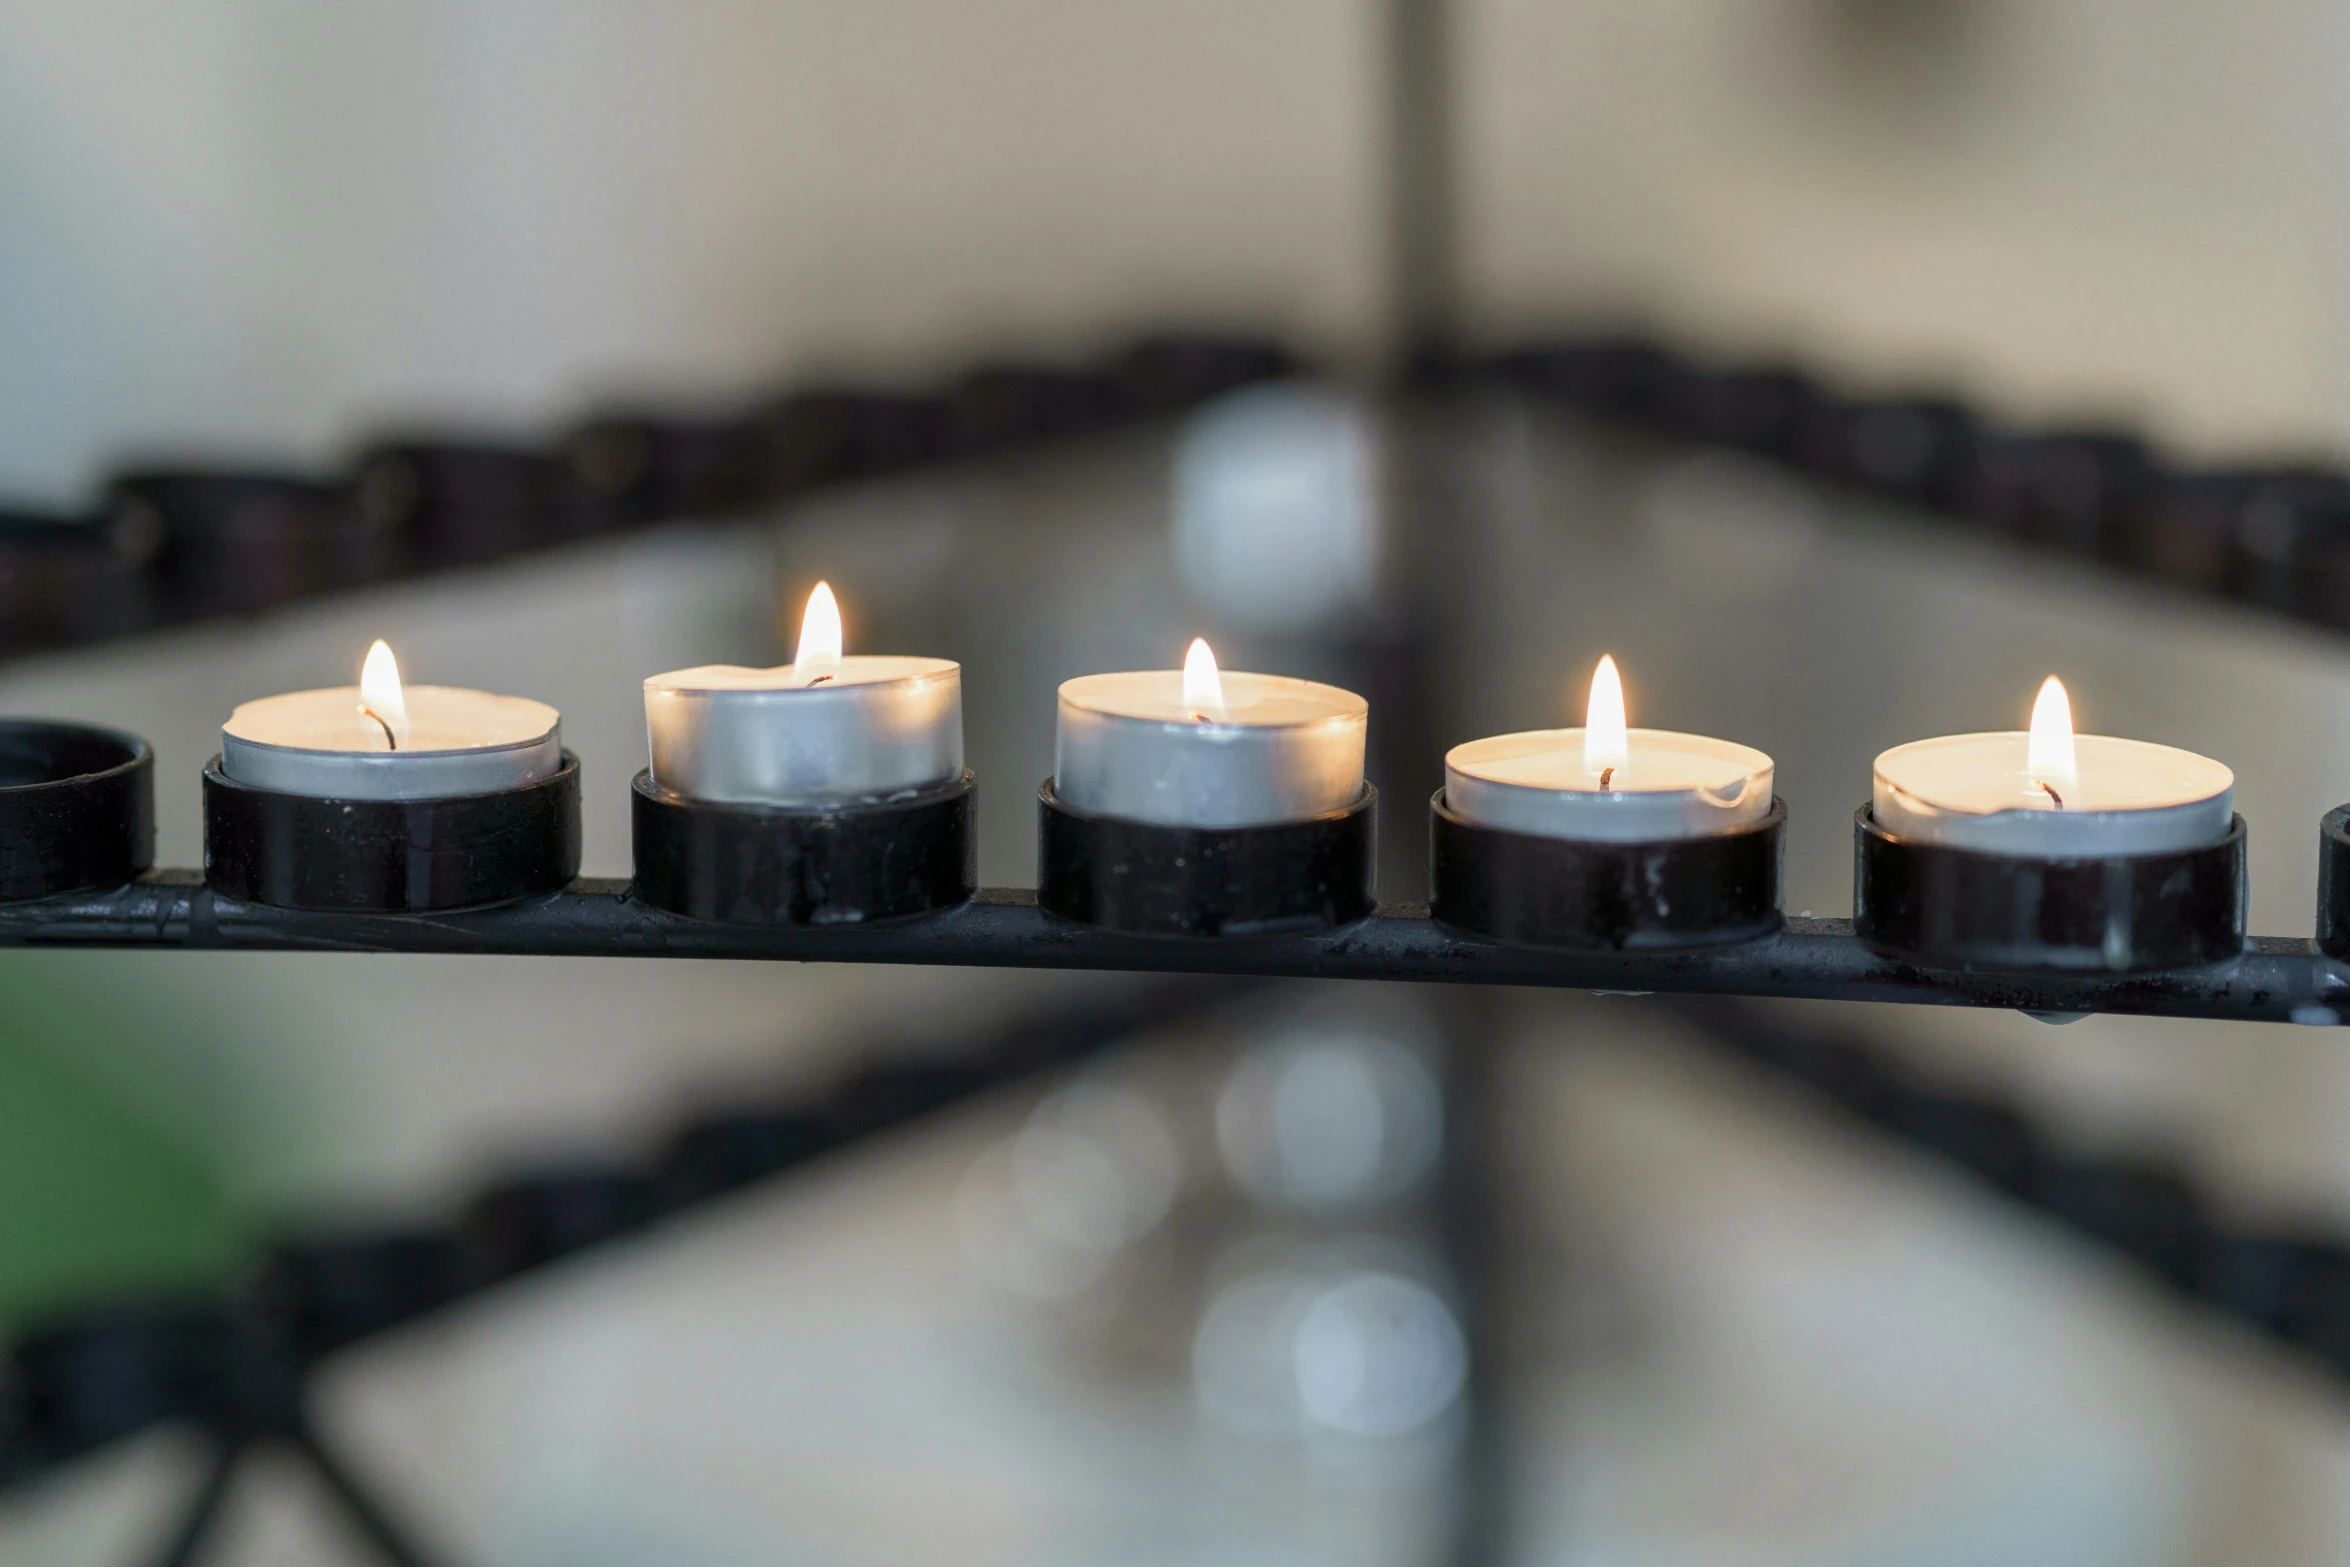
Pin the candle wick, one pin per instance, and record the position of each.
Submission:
(390, 740)
(2052, 794)
(1605, 774)
(819, 680)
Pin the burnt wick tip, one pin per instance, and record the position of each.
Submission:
(1605, 774)
(2053, 795)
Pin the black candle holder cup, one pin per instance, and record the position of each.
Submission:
(777, 865)
(1954, 908)
(236, 541)
(1585, 895)
(77, 808)
(457, 501)
(1144, 879)
(66, 579)
(2333, 883)
(299, 851)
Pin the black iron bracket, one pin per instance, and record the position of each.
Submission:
(2274, 979)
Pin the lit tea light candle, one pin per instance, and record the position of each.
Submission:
(2047, 792)
(824, 730)
(380, 740)
(1608, 783)
(1200, 747)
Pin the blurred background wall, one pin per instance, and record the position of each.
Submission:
(261, 224)
(2064, 207)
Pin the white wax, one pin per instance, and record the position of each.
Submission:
(2125, 797)
(459, 743)
(878, 728)
(1281, 750)
(1669, 786)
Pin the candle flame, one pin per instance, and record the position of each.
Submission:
(818, 657)
(1606, 746)
(2049, 754)
(1203, 687)
(380, 696)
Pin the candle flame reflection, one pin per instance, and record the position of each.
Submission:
(1203, 686)
(818, 657)
(2049, 753)
(380, 696)
(1606, 746)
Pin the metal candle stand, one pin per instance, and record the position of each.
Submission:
(299, 851)
(84, 848)
(1143, 879)
(772, 865)
(2152, 935)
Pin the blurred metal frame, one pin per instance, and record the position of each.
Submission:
(237, 1368)
(2286, 1282)
(1423, 210)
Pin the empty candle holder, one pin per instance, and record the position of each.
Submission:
(72, 579)
(457, 501)
(1151, 879)
(1951, 907)
(235, 541)
(847, 864)
(77, 808)
(647, 467)
(1535, 890)
(2333, 883)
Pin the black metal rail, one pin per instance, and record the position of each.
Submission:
(2276, 979)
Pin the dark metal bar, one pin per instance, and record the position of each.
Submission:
(1472, 1191)
(389, 1541)
(197, 1525)
(1422, 211)
(2276, 979)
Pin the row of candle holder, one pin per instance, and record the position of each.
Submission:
(179, 541)
(1185, 804)
(2276, 534)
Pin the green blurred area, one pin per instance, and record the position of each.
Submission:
(95, 1199)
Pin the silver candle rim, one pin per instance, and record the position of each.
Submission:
(1358, 712)
(389, 775)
